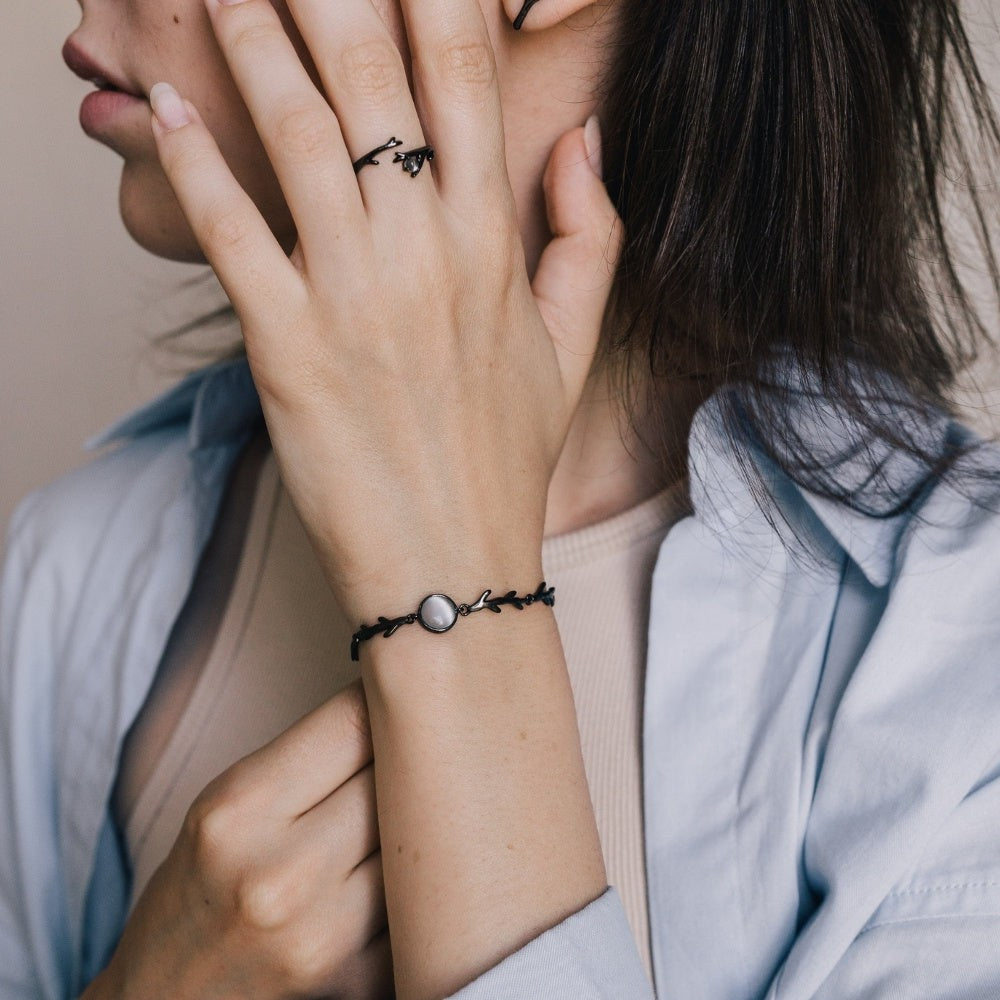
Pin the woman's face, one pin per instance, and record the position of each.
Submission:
(140, 42)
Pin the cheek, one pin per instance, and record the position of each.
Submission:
(221, 106)
(150, 210)
(188, 55)
(180, 46)
(244, 153)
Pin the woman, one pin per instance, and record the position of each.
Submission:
(490, 350)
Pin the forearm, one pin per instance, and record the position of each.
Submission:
(486, 824)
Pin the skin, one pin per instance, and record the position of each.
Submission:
(604, 467)
(273, 887)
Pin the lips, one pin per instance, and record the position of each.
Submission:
(87, 68)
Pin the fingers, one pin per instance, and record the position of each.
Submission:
(231, 232)
(313, 150)
(365, 79)
(365, 889)
(312, 759)
(347, 922)
(301, 134)
(368, 975)
(575, 273)
(346, 913)
(457, 89)
(346, 821)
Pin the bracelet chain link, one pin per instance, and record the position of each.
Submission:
(438, 613)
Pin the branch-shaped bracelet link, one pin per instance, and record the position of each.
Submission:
(438, 612)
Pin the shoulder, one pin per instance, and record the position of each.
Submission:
(957, 524)
(153, 486)
(97, 566)
(900, 838)
(74, 511)
(149, 459)
(887, 664)
(743, 489)
(58, 533)
(77, 537)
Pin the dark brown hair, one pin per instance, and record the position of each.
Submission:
(781, 167)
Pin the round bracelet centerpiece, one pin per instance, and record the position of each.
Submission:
(437, 613)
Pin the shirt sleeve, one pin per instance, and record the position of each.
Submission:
(590, 955)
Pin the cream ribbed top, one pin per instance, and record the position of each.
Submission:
(276, 646)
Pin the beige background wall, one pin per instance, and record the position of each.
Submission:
(79, 302)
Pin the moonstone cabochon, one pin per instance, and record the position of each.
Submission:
(437, 613)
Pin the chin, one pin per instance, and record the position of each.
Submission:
(153, 217)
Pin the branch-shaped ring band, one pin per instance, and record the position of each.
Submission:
(412, 160)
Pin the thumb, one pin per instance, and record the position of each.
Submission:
(575, 272)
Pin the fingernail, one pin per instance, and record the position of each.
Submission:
(168, 107)
(592, 140)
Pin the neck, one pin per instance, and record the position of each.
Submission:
(608, 463)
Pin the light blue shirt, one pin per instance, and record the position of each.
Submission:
(821, 744)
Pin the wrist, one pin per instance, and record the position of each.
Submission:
(445, 674)
(397, 585)
(429, 614)
(439, 613)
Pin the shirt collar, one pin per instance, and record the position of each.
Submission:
(840, 443)
(218, 403)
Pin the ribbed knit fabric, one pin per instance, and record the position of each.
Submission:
(280, 648)
(602, 574)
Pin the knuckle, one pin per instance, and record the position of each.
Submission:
(373, 70)
(223, 229)
(265, 901)
(187, 159)
(302, 134)
(309, 960)
(210, 825)
(467, 64)
(254, 39)
(216, 821)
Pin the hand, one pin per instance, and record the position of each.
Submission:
(273, 889)
(417, 387)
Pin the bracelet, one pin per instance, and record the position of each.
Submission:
(438, 612)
